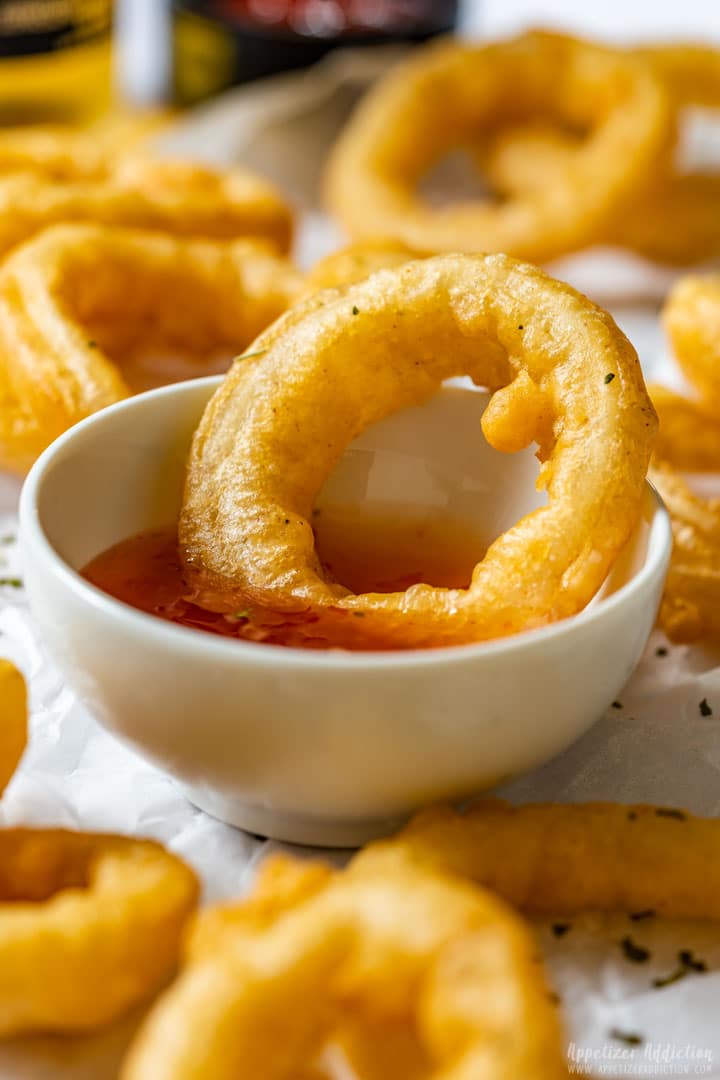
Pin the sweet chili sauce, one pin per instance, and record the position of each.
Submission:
(379, 553)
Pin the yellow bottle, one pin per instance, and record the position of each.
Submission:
(55, 60)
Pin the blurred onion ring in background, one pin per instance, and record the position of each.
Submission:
(411, 972)
(79, 301)
(13, 720)
(689, 441)
(675, 216)
(562, 375)
(175, 197)
(449, 95)
(90, 925)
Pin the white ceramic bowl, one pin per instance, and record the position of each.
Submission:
(320, 747)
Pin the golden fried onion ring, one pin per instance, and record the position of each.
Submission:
(176, 197)
(689, 440)
(449, 94)
(13, 720)
(691, 317)
(78, 299)
(562, 374)
(364, 956)
(675, 217)
(89, 926)
(569, 859)
(355, 262)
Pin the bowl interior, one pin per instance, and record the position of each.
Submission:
(122, 471)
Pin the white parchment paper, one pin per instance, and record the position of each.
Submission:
(656, 746)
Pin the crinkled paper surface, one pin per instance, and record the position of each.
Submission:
(657, 746)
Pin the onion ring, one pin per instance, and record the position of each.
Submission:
(170, 196)
(691, 317)
(406, 950)
(356, 262)
(690, 440)
(675, 218)
(569, 859)
(78, 300)
(449, 94)
(13, 721)
(89, 926)
(562, 374)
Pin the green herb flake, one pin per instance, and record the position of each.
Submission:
(12, 582)
(673, 977)
(9, 539)
(661, 651)
(637, 954)
(356, 309)
(687, 959)
(358, 614)
(687, 965)
(92, 344)
(705, 709)
(560, 929)
(638, 916)
(630, 1038)
(669, 811)
(617, 705)
(245, 614)
(609, 377)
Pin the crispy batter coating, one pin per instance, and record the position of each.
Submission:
(689, 432)
(562, 374)
(79, 302)
(691, 317)
(570, 858)
(356, 262)
(690, 440)
(13, 720)
(449, 95)
(675, 217)
(690, 609)
(407, 968)
(89, 926)
(175, 197)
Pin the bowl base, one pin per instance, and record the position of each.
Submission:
(271, 824)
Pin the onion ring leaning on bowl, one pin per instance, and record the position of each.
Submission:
(675, 217)
(78, 299)
(13, 720)
(562, 374)
(449, 95)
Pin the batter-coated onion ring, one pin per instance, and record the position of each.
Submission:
(675, 217)
(570, 858)
(13, 720)
(78, 300)
(690, 440)
(690, 608)
(691, 317)
(562, 374)
(448, 94)
(356, 262)
(89, 926)
(406, 950)
(689, 431)
(175, 197)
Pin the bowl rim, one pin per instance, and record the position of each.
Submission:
(185, 639)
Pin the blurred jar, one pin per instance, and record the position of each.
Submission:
(55, 60)
(218, 43)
